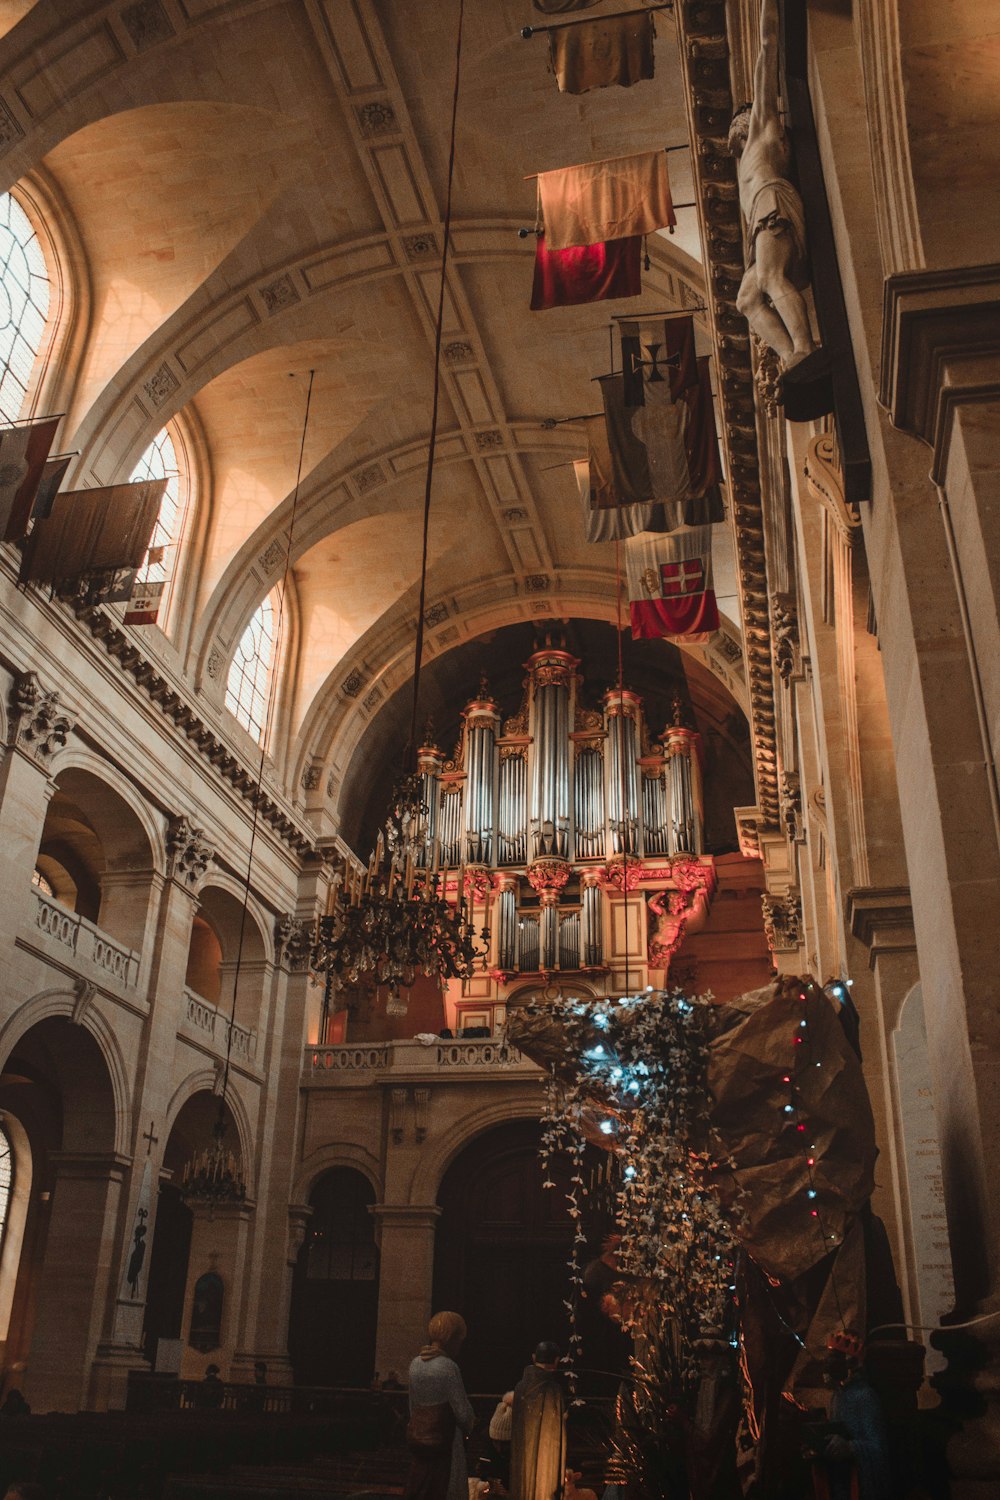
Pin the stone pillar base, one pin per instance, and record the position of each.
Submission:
(970, 1405)
(109, 1376)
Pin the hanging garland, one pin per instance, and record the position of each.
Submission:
(634, 1080)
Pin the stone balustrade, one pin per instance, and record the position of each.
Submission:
(358, 1065)
(203, 1021)
(85, 940)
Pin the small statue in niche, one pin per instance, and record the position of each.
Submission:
(770, 296)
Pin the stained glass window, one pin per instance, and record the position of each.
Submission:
(24, 305)
(250, 672)
(160, 462)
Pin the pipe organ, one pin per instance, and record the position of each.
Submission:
(531, 813)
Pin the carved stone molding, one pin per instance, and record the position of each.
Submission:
(791, 805)
(85, 994)
(293, 940)
(940, 348)
(39, 726)
(782, 921)
(421, 1113)
(747, 831)
(299, 1215)
(825, 479)
(785, 634)
(188, 851)
(881, 917)
(397, 1115)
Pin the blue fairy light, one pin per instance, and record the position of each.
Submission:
(629, 1174)
(596, 1054)
(811, 1193)
(607, 1127)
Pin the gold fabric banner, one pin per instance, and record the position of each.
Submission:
(606, 200)
(597, 54)
(92, 531)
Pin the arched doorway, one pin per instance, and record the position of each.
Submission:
(502, 1251)
(331, 1333)
(191, 1241)
(58, 1106)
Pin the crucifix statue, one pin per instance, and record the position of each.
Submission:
(770, 296)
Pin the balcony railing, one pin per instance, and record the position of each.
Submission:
(204, 1021)
(361, 1064)
(86, 941)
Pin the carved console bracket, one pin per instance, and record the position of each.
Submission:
(782, 921)
(293, 937)
(188, 851)
(38, 725)
(881, 917)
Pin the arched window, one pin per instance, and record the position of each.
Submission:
(6, 1179)
(25, 294)
(160, 462)
(250, 672)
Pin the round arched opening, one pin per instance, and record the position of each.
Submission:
(502, 1252)
(331, 1334)
(224, 938)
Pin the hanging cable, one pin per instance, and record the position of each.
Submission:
(621, 754)
(418, 646)
(271, 699)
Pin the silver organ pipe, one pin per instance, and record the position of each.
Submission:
(550, 935)
(451, 826)
(527, 945)
(684, 790)
(552, 675)
(656, 829)
(511, 809)
(506, 926)
(592, 923)
(589, 810)
(624, 810)
(569, 941)
(429, 763)
(481, 724)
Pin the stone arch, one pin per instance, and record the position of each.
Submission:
(76, 758)
(439, 1153)
(343, 1155)
(77, 1005)
(205, 1081)
(220, 908)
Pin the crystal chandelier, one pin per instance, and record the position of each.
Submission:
(394, 922)
(211, 1176)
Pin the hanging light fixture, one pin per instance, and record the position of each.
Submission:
(212, 1175)
(395, 921)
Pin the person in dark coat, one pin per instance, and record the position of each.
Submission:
(538, 1429)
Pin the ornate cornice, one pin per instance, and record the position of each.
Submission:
(38, 727)
(189, 851)
(705, 49)
(176, 707)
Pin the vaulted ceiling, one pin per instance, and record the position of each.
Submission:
(255, 190)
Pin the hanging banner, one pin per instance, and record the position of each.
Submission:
(670, 589)
(23, 452)
(655, 351)
(563, 7)
(144, 605)
(92, 531)
(53, 475)
(605, 523)
(586, 273)
(597, 54)
(606, 200)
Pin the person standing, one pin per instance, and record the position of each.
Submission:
(538, 1429)
(440, 1415)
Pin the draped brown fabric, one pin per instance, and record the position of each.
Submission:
(92, 531)
(606, 200)
(608, 523)
(23, 452)
(596, 54)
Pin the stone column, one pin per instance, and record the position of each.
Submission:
(74, 1285)
(38, 728)
(275, 1248)
(219, 1242)
(406, 1271)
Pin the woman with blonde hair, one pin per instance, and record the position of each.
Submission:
(440, 1415)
